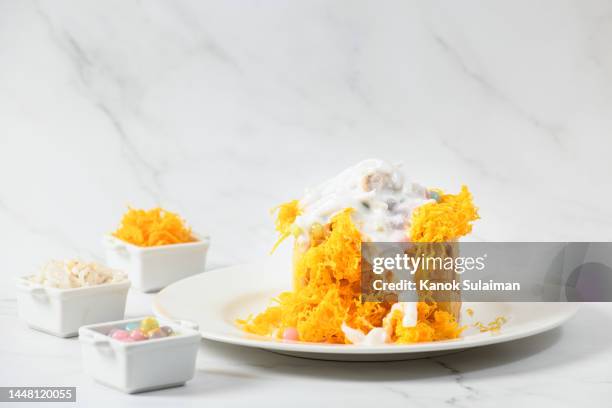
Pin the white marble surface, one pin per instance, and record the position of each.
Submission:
(220, 110)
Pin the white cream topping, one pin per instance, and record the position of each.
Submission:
(409, 310)
(379, 335)
(376, 336)
(382, 200)
(75, 274)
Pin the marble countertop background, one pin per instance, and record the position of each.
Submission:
(221, 110)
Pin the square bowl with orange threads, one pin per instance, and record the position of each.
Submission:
(155, 248)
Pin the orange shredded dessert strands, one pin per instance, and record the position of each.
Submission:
(327, 279)
(287, 213)
(493, 326)
(446, 220)
(153, 227)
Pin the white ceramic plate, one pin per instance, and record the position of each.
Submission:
(214, 300)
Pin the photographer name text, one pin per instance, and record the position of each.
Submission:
(427, 285)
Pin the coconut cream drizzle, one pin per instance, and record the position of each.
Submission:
(379, 335)
(382, 200)
(376, 336)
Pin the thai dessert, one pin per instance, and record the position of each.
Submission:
(72, 273)
(147, 228)
(369, 202)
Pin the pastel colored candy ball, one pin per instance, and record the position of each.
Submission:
(157, 334)
(132, 326)
(137, 335)
(148, 324)
(290, 333)
(119, 334)
(146, 329)
(168, 330)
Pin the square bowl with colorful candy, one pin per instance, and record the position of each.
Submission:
(68, 294)
(143, 354)
(155, 248)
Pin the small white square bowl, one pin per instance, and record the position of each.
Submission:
(153, 268)
(62, 311)
(140, 366)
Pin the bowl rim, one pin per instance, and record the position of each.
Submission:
(23, 283)
(112, 242)
(188, 331)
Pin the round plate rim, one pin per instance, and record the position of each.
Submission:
(317, 348)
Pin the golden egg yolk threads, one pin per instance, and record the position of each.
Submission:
(327, 279)
(155, 227)
(445, 220)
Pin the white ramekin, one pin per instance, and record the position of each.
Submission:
(153, 268)
(140, 366)
(62, 311)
